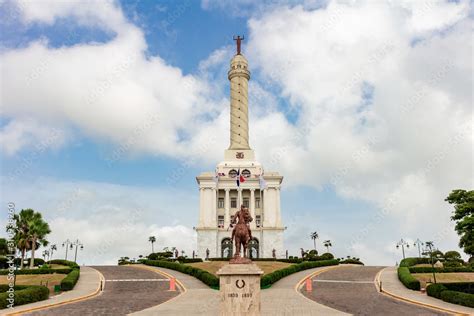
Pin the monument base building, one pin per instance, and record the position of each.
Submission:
(220, 196)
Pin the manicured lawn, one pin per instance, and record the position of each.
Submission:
(58, 266)
(445, 277)
(266, 266)
(36, 279)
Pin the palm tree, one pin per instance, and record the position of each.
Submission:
(38, 229)
(152, 239)
(45, 254)
(21, 230)
(327, 244)
(52, 249)
(314, 236)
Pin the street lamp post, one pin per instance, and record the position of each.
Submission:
(66, 244)
(418, 243)
(77, 243)
(403, 243)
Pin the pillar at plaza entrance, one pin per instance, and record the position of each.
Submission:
(219, 195)
(239, 289)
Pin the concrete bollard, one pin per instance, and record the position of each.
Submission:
(173, 284)
(309, 285)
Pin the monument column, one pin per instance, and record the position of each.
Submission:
(227, 208)
(252, 208)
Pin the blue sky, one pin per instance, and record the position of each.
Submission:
(325, 112)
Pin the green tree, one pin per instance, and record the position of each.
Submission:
(52, 248)
(152, 239)
(452, 256)
(38, 229)
(464, 217)
(21, 237)
(327, 244)
(314, 236)
(3, 246)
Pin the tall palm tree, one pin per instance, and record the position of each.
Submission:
(327, 244)
(152, 239)
(314, 236)
(38, 229)
(52, 249)
(21, 230)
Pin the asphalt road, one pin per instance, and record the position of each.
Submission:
(119, 297)
(351, 289)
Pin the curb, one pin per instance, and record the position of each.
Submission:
(157, 270)
(75, 300)
(401, 298)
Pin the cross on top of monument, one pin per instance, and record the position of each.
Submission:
(239, 40)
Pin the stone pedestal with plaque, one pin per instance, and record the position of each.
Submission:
(240, 289)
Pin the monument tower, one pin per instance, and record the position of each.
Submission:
(221, 194)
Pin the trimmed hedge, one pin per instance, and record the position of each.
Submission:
(70, 280)
(408, 262)
(351, 261)
(461, 293)
(190, 260)
(206, 277)
(440, 270)
(38, 271)
(68, 263)
(23, 294)
(407, 279)
(268, 279)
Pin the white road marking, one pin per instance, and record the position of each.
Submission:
(137, 280)
(343, 281)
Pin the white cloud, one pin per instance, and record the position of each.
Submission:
(382, 95)
(110, 220)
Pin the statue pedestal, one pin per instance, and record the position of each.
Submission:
(239, 289)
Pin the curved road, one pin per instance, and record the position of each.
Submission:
(351, 289)
(143, 289)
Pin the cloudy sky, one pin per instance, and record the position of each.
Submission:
(110, 109)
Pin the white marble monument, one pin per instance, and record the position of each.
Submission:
(220, 196)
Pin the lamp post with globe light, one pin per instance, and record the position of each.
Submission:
(418, 243)
(403, 244)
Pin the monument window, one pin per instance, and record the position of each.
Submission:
(257, 202)
(246, 172)
(233, 203)
(233, 173)
(220, 221)
(246, 202)
(258, 220)
(253, 249)
(220, 203)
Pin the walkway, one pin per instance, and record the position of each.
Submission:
(88, 285)
(391, 285)
(352, 289)
(196, 298)
(138, 289)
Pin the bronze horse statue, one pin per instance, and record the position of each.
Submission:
(241, 233)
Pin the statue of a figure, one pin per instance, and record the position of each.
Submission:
(274, 253)
(207, 254)
(241, 234)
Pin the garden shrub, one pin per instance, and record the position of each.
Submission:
(70, 280)
(407, 279)
(189, 260)
(459, 298)
(408, 262)
(440, 270)
(271, 278)
(206, 277)
(68, 263)
(38, 271)
(23, 294)
(461, 293)
(38, 262)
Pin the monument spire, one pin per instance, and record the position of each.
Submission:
(239, 76)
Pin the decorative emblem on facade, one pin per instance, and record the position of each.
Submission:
(240, 286)
(239, 155)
